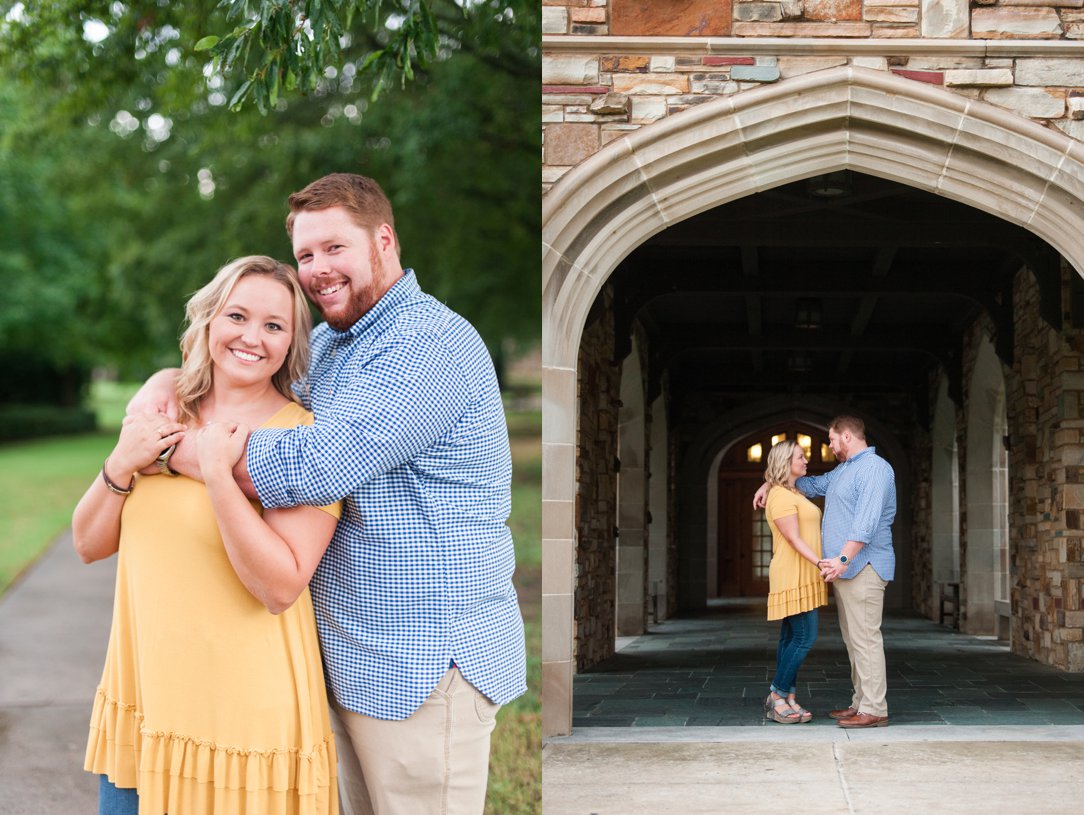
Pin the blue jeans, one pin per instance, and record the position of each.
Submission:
(114, 800)
(797, 633)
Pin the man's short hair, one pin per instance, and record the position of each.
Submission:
(357, 194)
(855, 425)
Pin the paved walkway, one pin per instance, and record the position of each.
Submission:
(54, 627)
(674, 724)
(713, 671)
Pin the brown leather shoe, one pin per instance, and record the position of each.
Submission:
(864, 720)
(846, 713)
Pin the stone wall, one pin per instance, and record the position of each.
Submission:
(596, 499)
(1047, 496)
(608, 68)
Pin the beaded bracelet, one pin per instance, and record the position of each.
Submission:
(114, 488)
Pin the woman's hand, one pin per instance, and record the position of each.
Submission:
(142, 439)
(219, 447)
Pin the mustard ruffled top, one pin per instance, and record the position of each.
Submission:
(794, 584)
(208, 704)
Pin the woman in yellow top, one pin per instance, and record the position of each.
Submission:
(796, 588)
(212, 699)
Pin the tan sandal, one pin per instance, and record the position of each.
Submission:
(805, 715)
(774, 713)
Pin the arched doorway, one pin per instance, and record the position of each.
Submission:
(745, 540)
(820, 123)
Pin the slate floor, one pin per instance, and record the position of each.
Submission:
(713, 670)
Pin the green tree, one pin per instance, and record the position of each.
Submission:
(161, 183)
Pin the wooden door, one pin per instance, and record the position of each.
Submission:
(745, 540)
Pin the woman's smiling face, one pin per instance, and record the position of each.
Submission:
(250, 336)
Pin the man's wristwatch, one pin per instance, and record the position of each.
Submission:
(163, 461)
(844, 559)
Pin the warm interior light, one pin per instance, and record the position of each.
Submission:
(806, 443)
(754, 453)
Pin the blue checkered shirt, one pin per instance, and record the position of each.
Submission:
(410, 433)
(859, 505)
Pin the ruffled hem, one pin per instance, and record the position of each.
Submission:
(177, 773)
(794, 601)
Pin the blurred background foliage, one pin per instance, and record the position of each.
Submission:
(133, 165)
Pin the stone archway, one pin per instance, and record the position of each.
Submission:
(849, 117)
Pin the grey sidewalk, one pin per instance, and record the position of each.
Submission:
(54, 626)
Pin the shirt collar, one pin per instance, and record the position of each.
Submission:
(857, 456)
(404, 289)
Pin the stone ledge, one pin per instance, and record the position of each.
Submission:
(807, 46)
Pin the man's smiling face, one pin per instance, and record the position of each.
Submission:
(344, 268)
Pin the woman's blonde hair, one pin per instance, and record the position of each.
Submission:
(197, 373)
(777, 468)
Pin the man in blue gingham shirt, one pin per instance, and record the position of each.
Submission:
(418, 619)
(859, 506)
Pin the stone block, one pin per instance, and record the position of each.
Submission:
(754, 73)
(945, 19)
(876, 63)
(931, 77)
(791, 9)
(663, 65)
(647, 109)
(552, 113)
(796, 66)
(568, 144)
(554, 20)
(888, 14)
(848, 29)
(1072, 129)
(625, 65)
(650, 84)
(1015, 23)
(719, 86)
(1076, 657)
(1037, 103)
(757, 12)
(569, 70)
(1073, 496)
(832, 10)
(999, 78)
(683, 18)
(1075, 106)
(588, 15)
(1054, 3)
(611, 103)
(898, 31)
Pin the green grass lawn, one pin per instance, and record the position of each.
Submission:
(41, 481)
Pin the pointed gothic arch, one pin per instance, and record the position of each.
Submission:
(842, 118)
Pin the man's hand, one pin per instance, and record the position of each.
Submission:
(157, 395)
(831, 569)
(760, 500)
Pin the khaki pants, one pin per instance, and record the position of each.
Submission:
(860, 602)
(436, 762)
